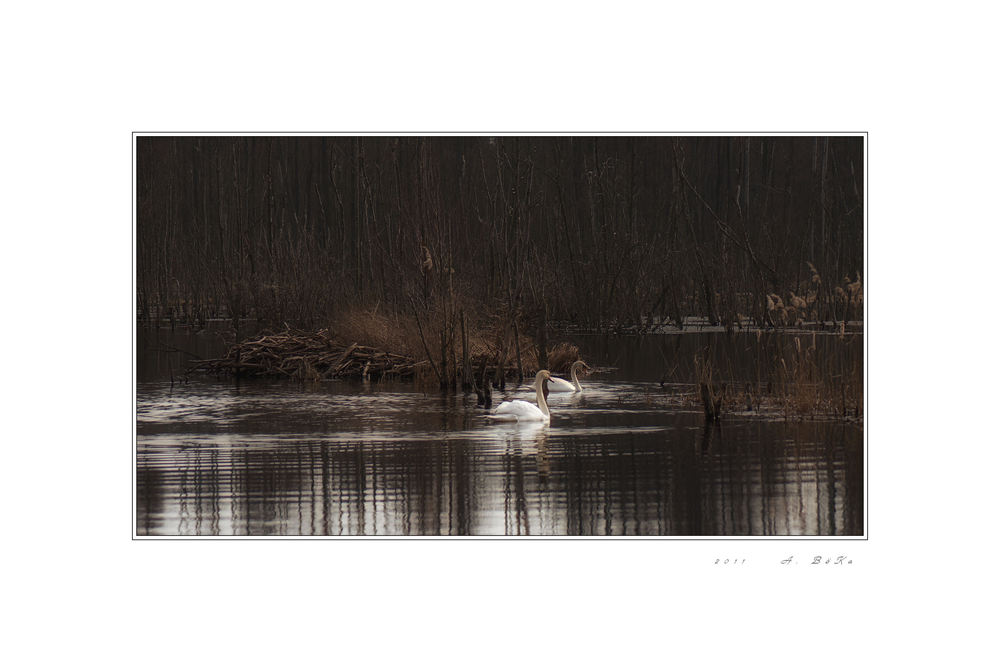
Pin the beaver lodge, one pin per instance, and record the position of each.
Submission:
(307, 356)
(320, 355)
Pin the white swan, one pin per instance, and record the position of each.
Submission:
(560, 385)
(522, 410)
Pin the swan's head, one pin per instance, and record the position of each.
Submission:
(542, 375)
(580, 365)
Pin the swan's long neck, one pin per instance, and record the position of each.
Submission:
(540, 393)
(576, 381)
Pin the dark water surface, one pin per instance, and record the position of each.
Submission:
(626, 457)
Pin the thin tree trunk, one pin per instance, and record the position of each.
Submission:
(466, 369)
(517, 349)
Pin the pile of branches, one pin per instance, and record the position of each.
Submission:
(306, 356)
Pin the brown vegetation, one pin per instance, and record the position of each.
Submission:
(791, 379)
(713, 395)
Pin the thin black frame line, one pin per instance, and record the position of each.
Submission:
(646, 134)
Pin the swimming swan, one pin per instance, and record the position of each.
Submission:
(560, 385)
(522, 410)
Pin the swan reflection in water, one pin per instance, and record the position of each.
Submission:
(525, 438)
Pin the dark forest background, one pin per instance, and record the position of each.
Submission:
(600, 232)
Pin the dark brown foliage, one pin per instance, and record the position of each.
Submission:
(602, 232)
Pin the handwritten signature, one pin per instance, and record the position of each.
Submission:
(821, 560)
(791, 560)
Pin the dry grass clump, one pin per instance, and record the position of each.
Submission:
(798, 375)
(490, 341)
(818, 302)
(561, 357)
(395, 333)
(812, 376)
(712, 395)
(808, 385)
(493, 353)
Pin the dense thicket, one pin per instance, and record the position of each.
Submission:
(594, 230)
